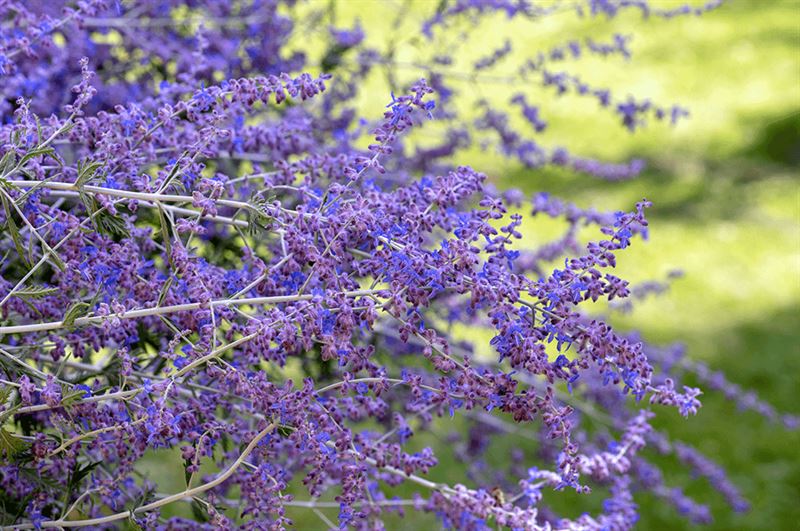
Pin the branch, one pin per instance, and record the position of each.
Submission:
(188, 493)
(163, 310)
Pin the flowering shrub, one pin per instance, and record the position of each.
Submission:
(202, 252)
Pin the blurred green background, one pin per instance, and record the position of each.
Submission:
(726, 193)
(727, 212)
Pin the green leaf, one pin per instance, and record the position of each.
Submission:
(54, 256)
(35, 292)
(36, 152)
(33, 308)
(41, 481)
(16, 237)
(10, 444)
(164, 290)
(80, 472)
(133, 524)
(25, 173)
(104, 222)
(283, 431)
(13, 230)
(57, 259)
(88, 202)
(5, 394)
(200, 511)
(12, 508)
(111, 372)
(76, 476)
(173, 172)
(8, 162)
(76, 310)
(166, 235)
(38, 129)
(86, 171)
(69, 397)
(186, 474)
(226, 443)
(258, 219)
(12, 227)
(111, 225)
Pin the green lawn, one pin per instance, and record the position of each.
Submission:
(727, 212)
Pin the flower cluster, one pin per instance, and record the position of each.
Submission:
(201, 252)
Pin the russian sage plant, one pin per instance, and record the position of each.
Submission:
(208, 246)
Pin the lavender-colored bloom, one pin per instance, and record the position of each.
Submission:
(206, 254)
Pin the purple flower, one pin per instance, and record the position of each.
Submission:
(205, 252)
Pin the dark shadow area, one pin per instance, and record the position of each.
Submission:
(778, 142)
(717, 188)
(761, 458)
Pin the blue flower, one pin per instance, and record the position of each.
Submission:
(87, 391)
